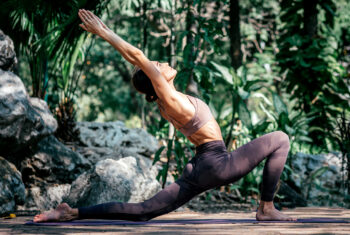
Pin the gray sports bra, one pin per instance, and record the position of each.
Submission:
(201, 116)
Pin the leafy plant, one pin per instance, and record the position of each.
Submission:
(47, 33)
(308, 57)
(241, 89)
(174, 150)
(295, 124)
(341, 134)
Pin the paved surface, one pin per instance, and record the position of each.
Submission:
(16, 226)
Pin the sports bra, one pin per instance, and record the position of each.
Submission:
(201, 116)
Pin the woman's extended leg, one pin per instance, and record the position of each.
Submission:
(170, 198)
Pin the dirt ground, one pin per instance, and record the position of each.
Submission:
(17, 225)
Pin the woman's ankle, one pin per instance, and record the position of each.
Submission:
(75, 213)
(266, 205)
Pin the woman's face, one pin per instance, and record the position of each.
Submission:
(168, 72)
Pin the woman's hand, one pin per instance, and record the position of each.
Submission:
(91, 23)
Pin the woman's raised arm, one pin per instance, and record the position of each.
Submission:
(135, 56)
(93, 24)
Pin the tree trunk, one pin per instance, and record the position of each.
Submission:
(235, 35)
(172, 57)
(143, 24)
(310, 18)
(190, 26)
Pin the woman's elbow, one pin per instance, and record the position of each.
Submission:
(137, 57)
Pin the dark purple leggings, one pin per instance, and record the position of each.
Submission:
(212, 166)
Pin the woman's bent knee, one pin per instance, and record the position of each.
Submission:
(282, 137)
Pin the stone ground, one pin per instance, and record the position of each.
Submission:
(16, 226)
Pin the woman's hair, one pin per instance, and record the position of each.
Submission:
(143, 84)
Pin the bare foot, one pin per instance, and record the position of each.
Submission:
(272, 214)
(63, 212)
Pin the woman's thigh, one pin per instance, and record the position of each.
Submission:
(202, 171)
(240, 162)
(220, 168)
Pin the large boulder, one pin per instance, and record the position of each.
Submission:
(45, 197)
(95, 154)
(12, 189)
(24, 121)
(7, 52)
(116, 135)
(52, 162)
(122, 180)
(318, 177)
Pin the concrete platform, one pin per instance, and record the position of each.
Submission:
(16, 226)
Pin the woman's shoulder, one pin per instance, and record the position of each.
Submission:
(180, 105)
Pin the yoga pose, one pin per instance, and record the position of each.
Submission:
(212, 165)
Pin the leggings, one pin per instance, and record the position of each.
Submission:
(212, 166)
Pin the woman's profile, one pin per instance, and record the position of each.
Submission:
(212, 165)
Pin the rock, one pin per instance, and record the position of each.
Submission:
(52, 162)
(44, 198)
(107, 134)
(115, 135)
(318, 186)
(24, 121)
(123, 180)
(138, 141)
(95, 154)
(7, 52)
(12, 189)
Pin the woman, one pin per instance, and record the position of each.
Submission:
(212, 165)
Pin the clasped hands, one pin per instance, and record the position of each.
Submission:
(91, 23)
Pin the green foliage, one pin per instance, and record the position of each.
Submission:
(241, 89)
(295, 124)
(341, 135)
(204, 39)
(175, 150)
(47, 33)
(314, 78)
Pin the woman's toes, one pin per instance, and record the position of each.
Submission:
(37, 218)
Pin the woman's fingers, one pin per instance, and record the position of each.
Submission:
(91, 22)
(83, 26)
(96, 18)
(82, 17)
(91, 15)
(88, 15)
